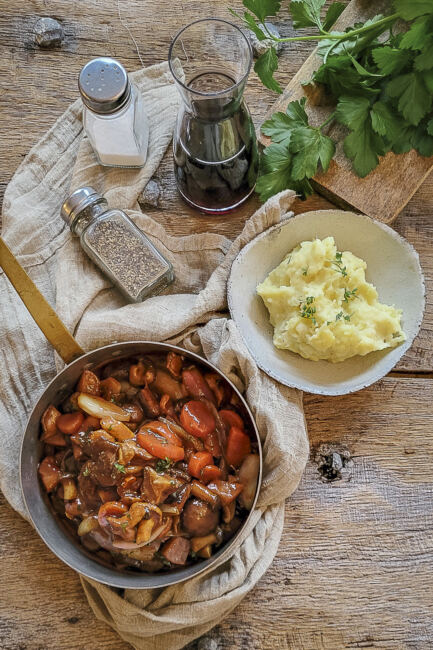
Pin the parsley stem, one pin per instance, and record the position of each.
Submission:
(329, 119)
(336, 37)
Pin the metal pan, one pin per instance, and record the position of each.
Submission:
(49, 526)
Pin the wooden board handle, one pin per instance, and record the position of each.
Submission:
(43, 314)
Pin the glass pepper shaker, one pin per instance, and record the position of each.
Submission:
(115, 244)
(113, 116)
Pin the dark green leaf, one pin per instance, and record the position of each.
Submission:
(424, 61)
(362, 146)
(341, 78)
(351, 111)
(265, 67)
(415, 37)
(263, 8)
(422, 141)
(430, 127)
(275, 173)
(310, 146)
(390, 60)
(385, 122)
(278, 128)
(306, 13)
(360, 68)
(410, 9)
(414, 100)
(334, 11)
(251, 21)
(296, 111)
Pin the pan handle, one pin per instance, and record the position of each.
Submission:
(43, 314)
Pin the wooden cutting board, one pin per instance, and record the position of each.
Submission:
(387, 189)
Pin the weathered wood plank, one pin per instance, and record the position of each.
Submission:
(354, 568)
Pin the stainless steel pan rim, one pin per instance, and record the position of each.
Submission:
(49, 527)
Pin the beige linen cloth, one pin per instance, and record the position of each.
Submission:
(192, 314)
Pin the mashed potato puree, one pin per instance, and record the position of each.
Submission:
(321, 306)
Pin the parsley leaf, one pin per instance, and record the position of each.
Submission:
(351, 111)
(278, 127)
(120, 468)
(306, 13)
(265, 67)
(414, 100)
(263, 8)
(363, 146)
(163, 465)
(410, 9)
(390, 60)
(275, 176)
(424, 60)
(414, 38)
(333, 13)
(251, 22)
(310, 146)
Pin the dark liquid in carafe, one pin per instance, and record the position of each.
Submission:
(215, 153)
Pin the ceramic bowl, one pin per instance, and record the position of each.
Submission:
(392, 266)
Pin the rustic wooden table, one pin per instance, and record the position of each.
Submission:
(354, 569)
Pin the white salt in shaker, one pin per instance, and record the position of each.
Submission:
(113, 117)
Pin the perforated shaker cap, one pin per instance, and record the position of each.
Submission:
(104, 85)
(77, 202)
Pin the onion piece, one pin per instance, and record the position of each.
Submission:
(100, 408)
(87, 525)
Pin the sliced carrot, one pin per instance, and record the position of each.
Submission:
(231, 419)
(196, 419)
(165, 431)
(70, 423)
(159, 446)
(197, 461)
(210, 473)
(238, 446)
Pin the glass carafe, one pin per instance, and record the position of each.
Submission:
(214, 144)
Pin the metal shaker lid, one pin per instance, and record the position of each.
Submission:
(77, 202)
(104, 85)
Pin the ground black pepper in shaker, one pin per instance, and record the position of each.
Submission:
(120, 249)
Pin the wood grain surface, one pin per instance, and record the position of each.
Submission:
(354, 569)
(387, 189)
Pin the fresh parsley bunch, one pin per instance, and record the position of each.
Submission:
(382, 89)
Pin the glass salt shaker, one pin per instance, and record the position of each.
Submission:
(115, 244)
(113, 116)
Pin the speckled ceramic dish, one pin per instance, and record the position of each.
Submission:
(392, 266)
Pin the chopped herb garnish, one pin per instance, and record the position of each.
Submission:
(349, 295)
(338, 263)
(124, 525)
(339, 315)
(395, 335)
(120, 467)
(305, 270)
(307, 311)
(86, 472)
(163, 465)
(347, 317)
